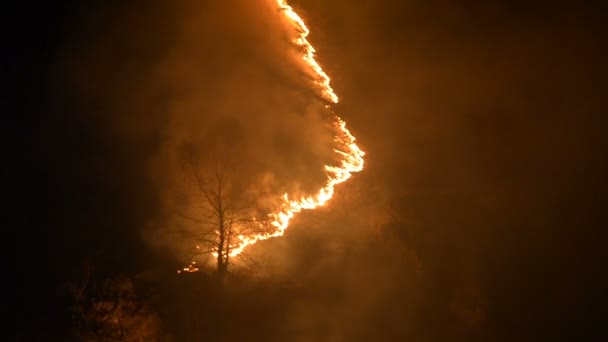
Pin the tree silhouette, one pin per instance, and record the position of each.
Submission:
(217, 217)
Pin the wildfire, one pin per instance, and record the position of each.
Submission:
(351, 155)
(309, 51)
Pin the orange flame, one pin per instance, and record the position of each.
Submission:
(351, 155)
(309, 51)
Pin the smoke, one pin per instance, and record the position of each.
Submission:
(223, 80)
(234, 80)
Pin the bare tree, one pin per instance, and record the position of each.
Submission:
(216, 214)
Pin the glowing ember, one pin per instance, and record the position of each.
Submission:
(351, 156)
(191, 268)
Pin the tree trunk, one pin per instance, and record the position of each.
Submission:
(222, 265)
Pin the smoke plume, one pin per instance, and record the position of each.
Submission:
(223, 80)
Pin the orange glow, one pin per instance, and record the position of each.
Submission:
(350, 155)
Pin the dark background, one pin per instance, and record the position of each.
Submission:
(483, 124)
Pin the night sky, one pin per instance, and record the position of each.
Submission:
(480, 215)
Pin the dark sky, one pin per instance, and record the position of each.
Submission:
(483, 124)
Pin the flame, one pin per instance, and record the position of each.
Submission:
(191, 268)
(351, 156)
(309, 51)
